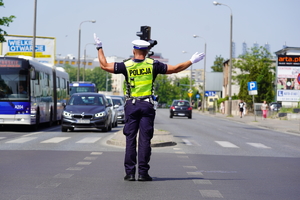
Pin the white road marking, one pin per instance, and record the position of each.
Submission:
(190, 167)
(75, 168)
(202, 182)
(55, 140)
(210, 194)
(226, 144)
(63, 175)
(259, 145)
(180, 152)
(89, 140)
(187, 142)
(2, 138)
(90, 158)
(195, 173)
(83, 163)
(21, 140)
(96, 153)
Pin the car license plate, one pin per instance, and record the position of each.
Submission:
(83, 121)
(181, 114)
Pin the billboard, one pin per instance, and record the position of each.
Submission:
(288, 69)
(17, 45)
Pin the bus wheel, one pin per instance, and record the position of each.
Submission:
(50, 119)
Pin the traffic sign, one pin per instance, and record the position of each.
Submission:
(252, 88)
(197, 96)
(190, 94)
(298, 78)
(252, 85)
(210, 93)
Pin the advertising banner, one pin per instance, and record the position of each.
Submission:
(288, 69)
(17, 45)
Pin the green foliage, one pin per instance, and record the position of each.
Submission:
(4, 21)
(96, 75)
(218, 64)
(255, 65)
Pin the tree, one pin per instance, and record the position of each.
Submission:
(4, 21)
(218, 64)
(255, 65)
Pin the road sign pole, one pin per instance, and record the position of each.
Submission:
(254, 108)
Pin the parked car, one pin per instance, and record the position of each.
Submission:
(181, 108)
(275, 106)
(121, 114)
(87, 110)
(114, 111)
(120, 96)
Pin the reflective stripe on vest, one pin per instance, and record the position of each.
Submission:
(140, 77)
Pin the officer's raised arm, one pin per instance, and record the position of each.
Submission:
(182, 66)
(109, 67)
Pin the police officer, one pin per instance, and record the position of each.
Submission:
(140, 73)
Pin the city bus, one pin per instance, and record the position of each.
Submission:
(77, 87)
(31, 92)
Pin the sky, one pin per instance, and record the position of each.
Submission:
(173, 24)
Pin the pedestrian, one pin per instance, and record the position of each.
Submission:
(264, 109)
(244, 109)
(199, 105)
(140, 73)
(241, 107)
(222, 107)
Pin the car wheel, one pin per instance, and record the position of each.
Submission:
(64, 129)
(109, 127)
(190, 116)
(171, 116)
(116, 123)
(71, 129)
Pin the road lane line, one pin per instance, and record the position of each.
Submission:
(259, 145)
(89, 140)
(210, 194)
(226, 144)
(21, 140)
(55, 140)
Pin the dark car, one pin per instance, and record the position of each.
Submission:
(118, 101)
(181, 108)
(87, 110)
(275, 106)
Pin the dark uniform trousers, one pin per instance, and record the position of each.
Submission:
(139, 118)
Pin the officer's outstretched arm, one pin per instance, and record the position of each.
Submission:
(182, 66)
(109, 67)
(178, 68)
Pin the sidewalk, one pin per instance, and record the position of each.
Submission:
(283, 125)
(164, 138)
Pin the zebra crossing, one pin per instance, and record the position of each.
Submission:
(91, 140)
(227, 144)
(53, 140)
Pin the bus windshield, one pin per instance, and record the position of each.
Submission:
(14, 84)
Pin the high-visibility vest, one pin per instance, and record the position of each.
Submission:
(139, 82)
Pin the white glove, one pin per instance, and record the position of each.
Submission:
(197, 57)
(97, 41)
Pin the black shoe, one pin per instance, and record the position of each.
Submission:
(144, 178)
(129, 177)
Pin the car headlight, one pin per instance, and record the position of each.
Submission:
(67, 115)
(100, 114)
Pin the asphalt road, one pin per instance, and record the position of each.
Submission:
(214, 159)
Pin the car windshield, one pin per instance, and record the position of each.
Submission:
(117, 101)
(87, 100)
(181, 103)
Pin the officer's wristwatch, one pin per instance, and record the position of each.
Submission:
(98, 48)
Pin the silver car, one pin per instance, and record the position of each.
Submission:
(114, 111)
(118, 101)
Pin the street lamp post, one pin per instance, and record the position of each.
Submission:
(34, 29)
(84, 62)
(79, 38)
(229, 110)
(204, 71)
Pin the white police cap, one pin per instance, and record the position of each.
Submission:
(140, 44)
